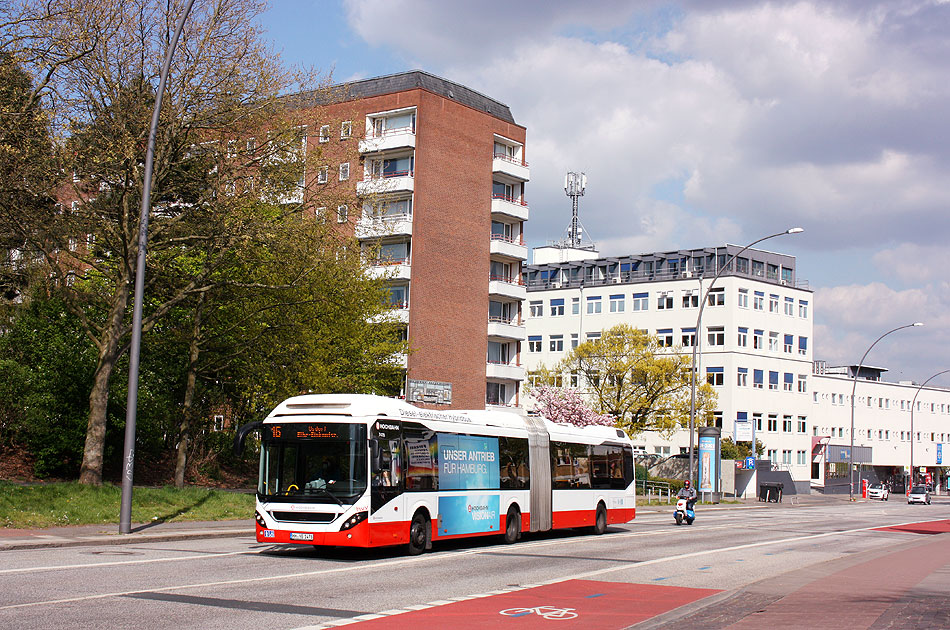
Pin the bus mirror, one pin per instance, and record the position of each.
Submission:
(242, 435)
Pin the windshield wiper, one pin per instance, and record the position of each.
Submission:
(328, 493)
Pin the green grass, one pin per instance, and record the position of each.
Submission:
(62, 504)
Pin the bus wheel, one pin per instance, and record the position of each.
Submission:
(419, 531)
(600, 520)
(513, 525)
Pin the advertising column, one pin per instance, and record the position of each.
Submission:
(709, 462)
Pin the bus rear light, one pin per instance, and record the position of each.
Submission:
(353, 521)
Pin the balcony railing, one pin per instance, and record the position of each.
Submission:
(508, 158)
(390, 262)
(518, 201)
(633, 277)
(509, 321)
(406, 173)
(514, 240)
(506, 279)
(389, 133)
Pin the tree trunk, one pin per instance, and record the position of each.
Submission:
(185, 428)
(91, 471)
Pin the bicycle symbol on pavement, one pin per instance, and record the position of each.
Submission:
(546, 612)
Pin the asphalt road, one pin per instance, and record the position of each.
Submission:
(236, 583)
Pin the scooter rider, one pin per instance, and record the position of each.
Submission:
(687, 492)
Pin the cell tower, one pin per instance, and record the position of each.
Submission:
(574, 185)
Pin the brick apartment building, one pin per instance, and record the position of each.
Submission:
(441, 173)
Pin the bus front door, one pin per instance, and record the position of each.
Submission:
(387, 501)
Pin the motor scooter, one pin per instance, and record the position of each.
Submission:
(683, 513)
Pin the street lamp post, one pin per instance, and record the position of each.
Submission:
(698, 333)
(853, 389)
(912, 405)
(131, 407)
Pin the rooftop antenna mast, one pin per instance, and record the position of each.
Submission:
(574, 185)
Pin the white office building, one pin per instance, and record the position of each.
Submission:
(755, 349)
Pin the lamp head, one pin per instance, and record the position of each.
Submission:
(917, 324)
(794, 230)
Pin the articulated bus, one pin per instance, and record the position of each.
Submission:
(369, 471)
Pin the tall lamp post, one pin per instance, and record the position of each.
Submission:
(698, 331)
(853, 388)
(131, 407)
(912, 405)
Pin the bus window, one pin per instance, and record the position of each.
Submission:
(514, 463)
(421, 449)
(562, 470)
(580, 458)
(602, 469)
(628, 467)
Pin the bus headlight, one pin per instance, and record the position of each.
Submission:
(353, 521)
(260, 519)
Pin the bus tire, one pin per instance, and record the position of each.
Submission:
(600, 519)
(513, 525)
(419, 532)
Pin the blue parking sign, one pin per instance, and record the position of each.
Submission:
(750, 463)
(939, 454)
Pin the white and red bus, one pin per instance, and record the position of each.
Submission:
(368, 471)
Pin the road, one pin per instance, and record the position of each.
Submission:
(741, 559)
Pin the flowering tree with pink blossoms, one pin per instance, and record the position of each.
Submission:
(566, 405)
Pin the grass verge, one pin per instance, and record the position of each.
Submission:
(62, 504)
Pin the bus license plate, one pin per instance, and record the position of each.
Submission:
(298, 536)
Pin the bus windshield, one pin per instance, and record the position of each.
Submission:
(317, 462)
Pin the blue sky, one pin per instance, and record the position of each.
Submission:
(709, 121)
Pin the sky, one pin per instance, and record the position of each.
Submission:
(705, 122)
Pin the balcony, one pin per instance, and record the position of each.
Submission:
(506, 330)
(506, 371)
(512, 167)
(389, 140)
(506, 286)
(393, 182)
(508, 247)
(392, 269)
(397, 313)
(510, 207)
(371, 227)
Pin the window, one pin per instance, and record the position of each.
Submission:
(575, 306)
(786, 424)
(800, 458)
(689, 337)
(665, 337)
(757, 339)
(593, 336)
(743, 340)
(786, 457)
(801, 425)
(789, 306)
(574, 341)
(495, 394)
(557, 307)
(743, 298)
(342, 214)
(803, 309)
(773, 422)
(535, 309)
(772, 455)
(788, 382)
(773, 303)
(557, 343)
(344, 171)
(757, 378)
(346, 129)
(616, 303)
(758, 301)
(757, 420)
(773, 380)
(773, 341)
(802, 384)
(640, 302)
(664, 301)
(716, 297)
(716, 335)
(714, 376)
(803, 345)
(324, 134)
(534, 343)
(323, 174)
(594, 304)
(742, 377)
(690, 299)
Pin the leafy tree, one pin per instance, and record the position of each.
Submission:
(227, 176)
(630, 377)
(731, 450)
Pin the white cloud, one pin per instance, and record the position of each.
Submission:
(915, 264)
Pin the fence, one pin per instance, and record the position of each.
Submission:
(659, 489)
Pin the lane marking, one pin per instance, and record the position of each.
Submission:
(115, 563)
(417, 559)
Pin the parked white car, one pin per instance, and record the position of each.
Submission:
(918, 494)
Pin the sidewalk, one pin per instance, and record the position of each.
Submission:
(108, 534)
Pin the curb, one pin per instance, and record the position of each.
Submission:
(53, 542)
